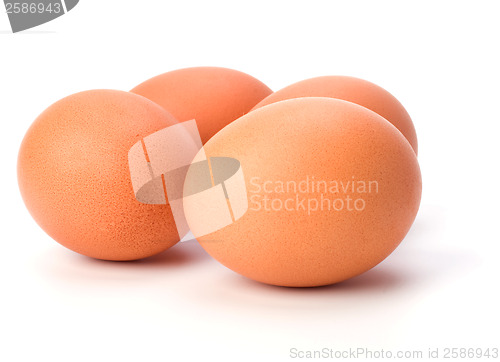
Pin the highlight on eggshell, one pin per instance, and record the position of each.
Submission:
(333, 188)
(213, 96)
(354, 90)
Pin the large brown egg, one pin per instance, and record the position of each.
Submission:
(354, 90)
(332, 190)
(213, 96)
(74, 175)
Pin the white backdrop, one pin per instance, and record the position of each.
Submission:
(439, 289)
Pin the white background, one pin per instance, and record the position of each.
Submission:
(439, 289)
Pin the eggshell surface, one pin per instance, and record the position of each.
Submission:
(287, 150)
(354, 90)
(74, 177)
(213, 96)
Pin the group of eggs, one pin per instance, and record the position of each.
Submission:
(294, 146)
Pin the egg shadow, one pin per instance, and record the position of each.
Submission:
(396, 281)
(417, 263)
(180, 254)
(374, 280)
(72, 266)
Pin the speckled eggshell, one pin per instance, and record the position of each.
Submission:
(330, 140)
(213, 96)
(354, 90)
(74, 177)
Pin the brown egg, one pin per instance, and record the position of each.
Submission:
(74, 177)
(213, 96)
(332, 190)
(354, 90)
